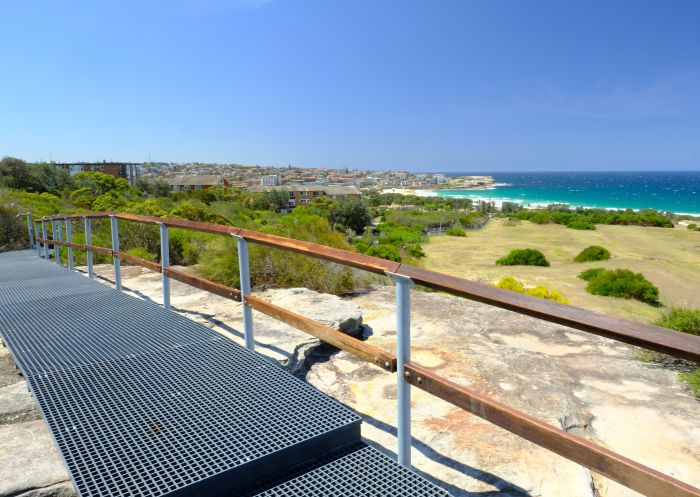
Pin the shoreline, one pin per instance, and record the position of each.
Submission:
(524, 204)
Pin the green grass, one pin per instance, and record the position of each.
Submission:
(670, 258)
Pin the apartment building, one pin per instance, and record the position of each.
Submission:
(304, 194)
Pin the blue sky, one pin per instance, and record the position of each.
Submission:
(431, 85)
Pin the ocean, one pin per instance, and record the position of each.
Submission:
(677, 191)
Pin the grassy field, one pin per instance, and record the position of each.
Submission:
(669, 258)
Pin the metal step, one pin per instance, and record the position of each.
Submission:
(353, 471)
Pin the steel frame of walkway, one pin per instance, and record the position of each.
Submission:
(142, 401)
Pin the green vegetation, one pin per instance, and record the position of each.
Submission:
(524, 257)
(621, 283)
(680, 319)
(685, 321)
(693, 227)
(586, 219)
(692, 380)
(510, 283)
(436, 203)
(43, 190)
(455, 232)
(592, 254)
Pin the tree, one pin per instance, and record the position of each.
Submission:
(350, 213)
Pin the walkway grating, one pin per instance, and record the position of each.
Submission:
(142, 401)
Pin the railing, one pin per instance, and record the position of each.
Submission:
(601, 460)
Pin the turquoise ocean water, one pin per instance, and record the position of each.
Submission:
(677, 191)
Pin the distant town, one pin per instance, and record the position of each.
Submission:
(195, 175)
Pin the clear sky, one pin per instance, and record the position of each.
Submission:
(420, 85)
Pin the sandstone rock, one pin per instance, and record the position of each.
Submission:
(29, 460)
(588, 385)
(16, 404)
(59, 490)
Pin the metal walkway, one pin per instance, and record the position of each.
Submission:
(142, 401)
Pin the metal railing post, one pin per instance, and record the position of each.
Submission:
(29, 229)
(164, 263)
(37, 230)
(88, 241)
(403, 355)
(69, 239)
(115, 249)
(54, 237)
(46, 244)
(59, 224)
(244, 271)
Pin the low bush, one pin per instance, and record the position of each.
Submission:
(524, 257)
(580, 225)
(692, 379)
(415, 250)
(591, 273)
(385, 252)
(455, 232)
(621, 283)
(13, 229)
(510, 283)
(685, 320)
(142, 253)
(593, 253)
(693, 227)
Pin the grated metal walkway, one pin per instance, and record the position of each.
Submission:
(142, 401)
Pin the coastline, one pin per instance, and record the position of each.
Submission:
(498, 201)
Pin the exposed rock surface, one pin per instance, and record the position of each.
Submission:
(29, 462)
(587, 385)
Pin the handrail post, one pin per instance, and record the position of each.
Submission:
(403, 355)
(46, 244)
(59, 224)
(164, 263)
(29, 229)
(115, 250)
(69, 239)
(54, 237)
(88, 241)
(244, 272)
(37, 230)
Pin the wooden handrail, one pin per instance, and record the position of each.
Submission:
(629, 473)
(204, 284)
(669, 342)
(139, 261)
(663, 340)
(361, 349)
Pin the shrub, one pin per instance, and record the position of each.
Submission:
(524, 257)
(510, 283)
(693, 227)
(685, 320)
(580, 225)
(692, 379)
(591, 273)
(385, 252)
(455, 232)
(415, 250)
(142, 253)
(620, 283)
(13, 229)
(593, 253)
